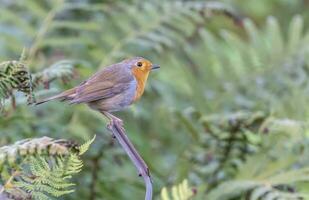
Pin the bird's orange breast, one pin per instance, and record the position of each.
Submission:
(141, 79)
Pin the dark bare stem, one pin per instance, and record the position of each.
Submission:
(96, 168)
(115, 126)
(13, 101)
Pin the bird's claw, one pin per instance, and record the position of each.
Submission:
(117, 121)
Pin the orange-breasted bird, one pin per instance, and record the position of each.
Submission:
(111, 89)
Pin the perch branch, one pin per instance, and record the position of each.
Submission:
(115, 126)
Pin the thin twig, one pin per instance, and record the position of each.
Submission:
(95, 171)
(118, 132)
(94, 174)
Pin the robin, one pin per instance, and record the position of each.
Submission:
(111, 89)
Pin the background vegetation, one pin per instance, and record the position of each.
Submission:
(227, 112)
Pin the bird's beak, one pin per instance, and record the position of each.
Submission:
(154, 66)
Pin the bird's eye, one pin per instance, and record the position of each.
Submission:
(139, 64)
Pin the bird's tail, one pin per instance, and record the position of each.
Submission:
(66, 95)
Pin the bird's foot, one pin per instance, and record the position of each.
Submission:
(113, 122)
(113, 119)
(117, 121)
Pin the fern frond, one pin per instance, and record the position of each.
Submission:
(266, 192)
(45, 167)
(38, 146)
(261, 59)
(172, 23)
(45, 179)
(181, 191)
(263, 188)
(84, 147)
(14, 75)
(177, 22)
(228, 148)
(59, 70)
(248, 154)
(228, 141)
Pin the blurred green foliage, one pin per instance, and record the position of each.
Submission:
(227, 110)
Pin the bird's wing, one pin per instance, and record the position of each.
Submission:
(106, 83)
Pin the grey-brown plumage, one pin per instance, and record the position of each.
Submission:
(112, 88)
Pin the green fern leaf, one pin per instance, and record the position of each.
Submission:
(14, 75)
(84, 147)
(60, 70)
(178, 192)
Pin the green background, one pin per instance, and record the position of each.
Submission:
(213, 65)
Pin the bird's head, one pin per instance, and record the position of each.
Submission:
(141, 67)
